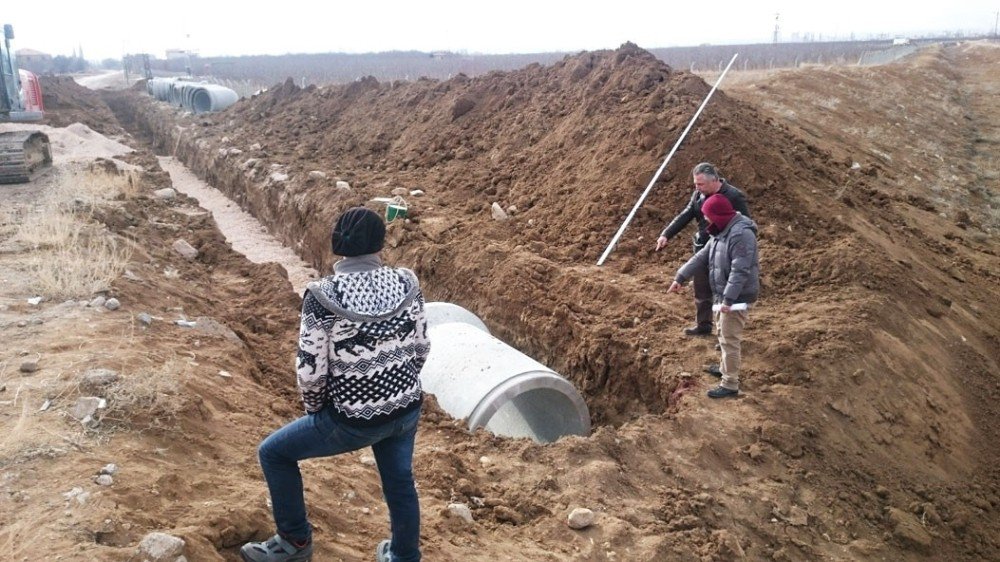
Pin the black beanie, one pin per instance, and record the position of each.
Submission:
(358, 231)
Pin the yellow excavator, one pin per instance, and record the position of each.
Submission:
(22, 153)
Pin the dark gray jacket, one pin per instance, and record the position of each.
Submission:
(693, 212)
(731, 259)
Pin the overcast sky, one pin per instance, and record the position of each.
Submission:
(109, 28)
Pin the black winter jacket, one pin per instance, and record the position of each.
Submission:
(693, 211)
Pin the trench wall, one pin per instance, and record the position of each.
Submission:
(564, 325)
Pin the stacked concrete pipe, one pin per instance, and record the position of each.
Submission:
(197, 97)
(481, 379)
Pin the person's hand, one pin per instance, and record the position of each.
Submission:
(675, 287)
(660, 243)
(725, 308)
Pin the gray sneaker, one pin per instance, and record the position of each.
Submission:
(276, 549)
(382, 553)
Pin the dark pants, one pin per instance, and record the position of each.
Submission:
(702, 294)
(319, 435)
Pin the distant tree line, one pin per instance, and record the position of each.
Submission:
(59, 64)
(247, 74)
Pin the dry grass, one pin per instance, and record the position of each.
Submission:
(71, 255)
(96, 185)
(81, 268)
(148, 399)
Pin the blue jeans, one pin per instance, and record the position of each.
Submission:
(320, 435)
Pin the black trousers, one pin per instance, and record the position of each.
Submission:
(702, 293)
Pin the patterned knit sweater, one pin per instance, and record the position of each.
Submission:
(362, 342)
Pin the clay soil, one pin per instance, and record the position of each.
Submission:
(869, 414)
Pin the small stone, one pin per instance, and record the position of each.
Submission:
(798, 516)
(255, 146)
(185, 249)
(461, 511)
(112, 304)
(512, 210)
(225, 374)
(161, 547)
(367, 460)
(22, 324)
(908, 530)
(341, 184)
(95, 381)
(497, 211)
(104, 480)
(580, 518)
(317, 175)
(417, 193)
(86, 407)
(35, 301)
(166, 194)
(29, 366)
(97, 302)
(485, 461)
(279, 177)
(145, 319)
(110, 469)
(77, 494)
(36, 322)
(400, 191)
(45, 405)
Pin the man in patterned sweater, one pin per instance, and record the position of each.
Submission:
(362, 343)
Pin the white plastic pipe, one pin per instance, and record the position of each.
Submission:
(481, 379)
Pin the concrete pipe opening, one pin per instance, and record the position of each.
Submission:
(481, 379)
(208, 97)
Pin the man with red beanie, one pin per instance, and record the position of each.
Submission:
(707, 182)
(734, 275)
(362, 344)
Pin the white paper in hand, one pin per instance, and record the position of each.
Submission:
(735, 307)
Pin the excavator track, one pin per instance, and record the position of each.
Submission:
(22, 153)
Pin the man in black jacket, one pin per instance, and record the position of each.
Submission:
(707, 182)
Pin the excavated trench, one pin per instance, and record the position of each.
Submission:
(567, 336)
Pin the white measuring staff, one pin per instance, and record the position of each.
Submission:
(638, 203)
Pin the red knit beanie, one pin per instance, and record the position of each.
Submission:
(718, 210)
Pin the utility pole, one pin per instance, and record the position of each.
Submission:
(995, 22)
(776, 28)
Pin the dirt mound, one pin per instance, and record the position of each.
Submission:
(67, 102)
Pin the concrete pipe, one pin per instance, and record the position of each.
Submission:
(479, 378)
(160, 88)
(210, 97)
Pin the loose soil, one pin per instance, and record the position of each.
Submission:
(870, 386)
